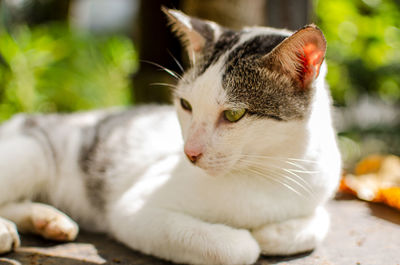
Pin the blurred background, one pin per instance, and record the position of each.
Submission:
(69, 55)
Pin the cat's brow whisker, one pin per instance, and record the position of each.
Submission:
(176, 61)
(164, 84)
(170, 72)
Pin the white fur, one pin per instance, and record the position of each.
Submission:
(40, 219)
(259, 186)
(187, 207)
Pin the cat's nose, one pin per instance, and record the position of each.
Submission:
(193, 158)
(193, 155)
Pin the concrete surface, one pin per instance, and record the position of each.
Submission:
(361, 234)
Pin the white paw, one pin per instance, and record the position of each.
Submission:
(245, 249)
(53, 224)
(9, 238)
(293, 236)
(235, 247)
(276, 239)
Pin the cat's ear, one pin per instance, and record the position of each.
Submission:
(300, 55)
(194, 33)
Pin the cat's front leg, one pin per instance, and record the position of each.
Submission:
(41, 219)
(9, 238)
(294, 235)
(182, 238)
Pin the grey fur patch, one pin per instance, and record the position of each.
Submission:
(255, 48)
(95, 159)
(265, 91)
(103, 147)
(214, 51)
(94, 178)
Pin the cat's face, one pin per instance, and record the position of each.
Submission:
(247, 93)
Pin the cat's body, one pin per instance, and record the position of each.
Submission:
(257, 184)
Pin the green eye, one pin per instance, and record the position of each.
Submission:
(186, 105)
(234, 115)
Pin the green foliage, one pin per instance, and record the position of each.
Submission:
(363, 47)
(53, 68)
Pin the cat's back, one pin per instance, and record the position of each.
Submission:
(148, 128)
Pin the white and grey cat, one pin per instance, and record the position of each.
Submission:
(257, 161)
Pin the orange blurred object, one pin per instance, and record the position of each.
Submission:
(376, 178)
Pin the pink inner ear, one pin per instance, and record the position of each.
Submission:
(312, 60)
(196, 41)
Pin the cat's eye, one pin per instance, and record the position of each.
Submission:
(234, 115)
(186, 105)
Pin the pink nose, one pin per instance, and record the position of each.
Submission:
(193, 155)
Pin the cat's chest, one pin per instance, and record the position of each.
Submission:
(238, 201)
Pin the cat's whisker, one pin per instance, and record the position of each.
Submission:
(176, 61)
(305, 185)
(288, 170)
(303, 160)
(302, 168)
(296, 165)
(293, 181)
(298, 180)
(273, 171)
(279, 158)
(306, 171)
(260, 174)
(291, 170)
(164, 84)
(169, 71)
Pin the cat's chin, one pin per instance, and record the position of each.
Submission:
(215, 172)
(215, 168)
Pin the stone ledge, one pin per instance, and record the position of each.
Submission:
(361, 233)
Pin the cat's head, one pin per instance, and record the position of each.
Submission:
(248, 92)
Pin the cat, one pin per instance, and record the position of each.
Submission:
(241, 166)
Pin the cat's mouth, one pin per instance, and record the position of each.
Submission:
(215, 166)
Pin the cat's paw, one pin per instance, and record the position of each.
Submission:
(235, 247)
(9, 238)
(53, 224)
(293, 236)
(244, 249)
